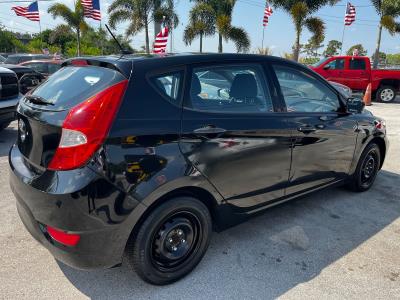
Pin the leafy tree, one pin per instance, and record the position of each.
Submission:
(223, 10)
(311, 49)
(361, 50)
(140, 13)
(202, 20)
(74, 18)
(388, 11)
(301, 14)
(61, 36)
(8, 41)
(333, 48)
(393, 59)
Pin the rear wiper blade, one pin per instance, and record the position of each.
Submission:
(37, 100)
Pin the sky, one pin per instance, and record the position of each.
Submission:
(279, 35)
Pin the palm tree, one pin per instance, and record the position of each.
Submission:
(74, 18)
(201, 23)
(140, 13)
(388, 11)
(223, 10)
(301, 14)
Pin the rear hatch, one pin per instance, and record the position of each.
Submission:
(66, 119)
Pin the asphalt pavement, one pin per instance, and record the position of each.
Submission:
(334, 244)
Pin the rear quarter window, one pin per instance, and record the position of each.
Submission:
(169, 85)
(72, 85)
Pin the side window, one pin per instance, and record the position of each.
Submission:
(169, 85)
(230, 88)
(337, 64)
(357, 64)
(303, 92)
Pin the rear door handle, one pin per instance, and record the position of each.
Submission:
(209, 129)
(307, 129)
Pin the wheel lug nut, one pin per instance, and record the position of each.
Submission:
(170, 240)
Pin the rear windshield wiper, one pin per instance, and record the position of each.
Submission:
(37, 100)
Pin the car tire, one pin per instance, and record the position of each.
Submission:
(386, 94)
(367, 169)
(4, 125)
(171, 241)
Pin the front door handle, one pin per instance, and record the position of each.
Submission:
(209, 129)
(307, 129)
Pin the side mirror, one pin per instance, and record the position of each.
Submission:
(355, 105)
(327, 67)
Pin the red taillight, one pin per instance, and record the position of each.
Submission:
(85, 128)
(62, 237)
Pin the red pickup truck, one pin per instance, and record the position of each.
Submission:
(356, 73)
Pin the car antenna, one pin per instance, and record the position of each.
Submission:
(123, 51)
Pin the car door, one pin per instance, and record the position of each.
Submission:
(356, 74)
(232, 134)
(333, 70)
(324, 135)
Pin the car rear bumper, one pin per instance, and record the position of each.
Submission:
(101, 244)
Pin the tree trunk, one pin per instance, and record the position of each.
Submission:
(201, 42)
(296, 50)
(78, 32)
(378, 46)
(220, 48)
(147, 38)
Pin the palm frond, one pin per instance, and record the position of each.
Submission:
(317, 27)
(241, 39)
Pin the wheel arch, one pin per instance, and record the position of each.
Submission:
(200, 193)
(390, 82)
(382, 147)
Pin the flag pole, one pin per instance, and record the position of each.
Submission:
(341, 48)
(40, 30)
(344, 28)
(262, 43)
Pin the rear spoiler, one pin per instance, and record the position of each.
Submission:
(122, 66)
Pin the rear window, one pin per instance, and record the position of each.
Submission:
(73, 85)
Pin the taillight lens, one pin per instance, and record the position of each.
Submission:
(68, 239)
(85, 128)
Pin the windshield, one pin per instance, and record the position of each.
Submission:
(320, 62)
(2, 59)
(11, 60)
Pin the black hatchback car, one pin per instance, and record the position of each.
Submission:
(147, 155)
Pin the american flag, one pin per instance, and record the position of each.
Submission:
(91, 9)
(267, 13)
(350, 15)
(30, 12)
(160, 43)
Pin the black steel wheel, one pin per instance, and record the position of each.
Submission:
(171, 241)
(367, 169)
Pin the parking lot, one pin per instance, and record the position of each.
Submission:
(333, 244)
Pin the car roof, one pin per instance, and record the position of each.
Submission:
(53, 61)
(157, 61)
(17, 67)
(27, 54)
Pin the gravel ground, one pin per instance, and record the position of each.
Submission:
(333, 244)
